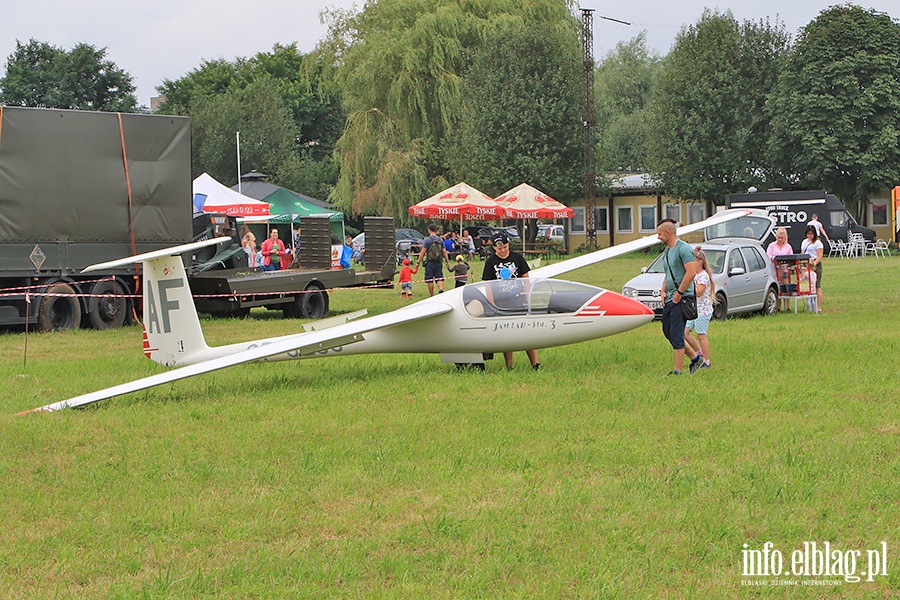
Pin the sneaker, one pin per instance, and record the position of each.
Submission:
(705, 365)
(536, 366)
(696, 365)
(673, 372)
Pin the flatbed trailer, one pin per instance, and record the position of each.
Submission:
(298, 292)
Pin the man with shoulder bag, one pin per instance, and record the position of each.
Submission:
(680, 267)
(434, 255)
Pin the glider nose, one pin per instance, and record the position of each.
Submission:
(612, 304)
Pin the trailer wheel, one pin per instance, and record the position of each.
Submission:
(314, 302)
(57, 313)
(107, 307)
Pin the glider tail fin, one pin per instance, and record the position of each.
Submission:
(172, 333)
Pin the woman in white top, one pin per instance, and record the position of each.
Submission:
(812, 247)
(248, 242)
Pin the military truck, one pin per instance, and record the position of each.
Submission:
(79, 188)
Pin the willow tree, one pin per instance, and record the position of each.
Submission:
(401, 68)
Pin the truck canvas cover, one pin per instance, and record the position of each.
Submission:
(92, 177)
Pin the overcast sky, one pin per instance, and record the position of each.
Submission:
(165, 39)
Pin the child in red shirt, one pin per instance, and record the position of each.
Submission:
(406, 274)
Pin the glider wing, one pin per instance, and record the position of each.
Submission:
(645, 242)
(303, 343)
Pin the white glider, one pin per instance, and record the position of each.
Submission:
(462, 325)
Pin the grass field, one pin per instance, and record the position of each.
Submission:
(397, 476)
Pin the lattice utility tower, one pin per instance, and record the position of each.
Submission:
(590, 175)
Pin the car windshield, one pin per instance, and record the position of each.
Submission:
(714, 256)
(408, 234)
(753, 227)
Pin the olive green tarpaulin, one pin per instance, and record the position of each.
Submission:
(63, 176)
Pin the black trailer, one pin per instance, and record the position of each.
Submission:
(79, 188)
(298, 292)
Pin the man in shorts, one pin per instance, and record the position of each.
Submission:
(680, 267)
(434, 259)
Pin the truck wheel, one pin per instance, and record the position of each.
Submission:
(57, 313)
(314, 303)
(107, 307)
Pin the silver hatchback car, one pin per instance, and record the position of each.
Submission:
(743, 275)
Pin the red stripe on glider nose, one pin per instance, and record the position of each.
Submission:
(611, 304)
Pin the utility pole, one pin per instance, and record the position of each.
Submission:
(587, 44)
(590, 169)
(237, 136)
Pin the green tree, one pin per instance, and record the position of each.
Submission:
(523, 114)
(836, 109)
(44, 76)
(308, 163)
(258, 111)
(709, 129)
(624, 86)
(401, 65)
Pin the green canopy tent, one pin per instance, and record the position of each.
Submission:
(288, 206)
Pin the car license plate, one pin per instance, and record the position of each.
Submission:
(655, 305)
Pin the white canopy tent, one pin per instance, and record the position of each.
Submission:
(212, 197)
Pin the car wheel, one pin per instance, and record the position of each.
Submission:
(770, 305)
(720, 310)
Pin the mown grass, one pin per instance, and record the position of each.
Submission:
(397, 476)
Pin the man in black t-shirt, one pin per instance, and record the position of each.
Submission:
(504, 264)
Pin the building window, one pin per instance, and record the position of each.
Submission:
(696, 212)
(601, 219)
(623, 219)
(672, 211)
(879, 214)
(576, 223)
(648, 218)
